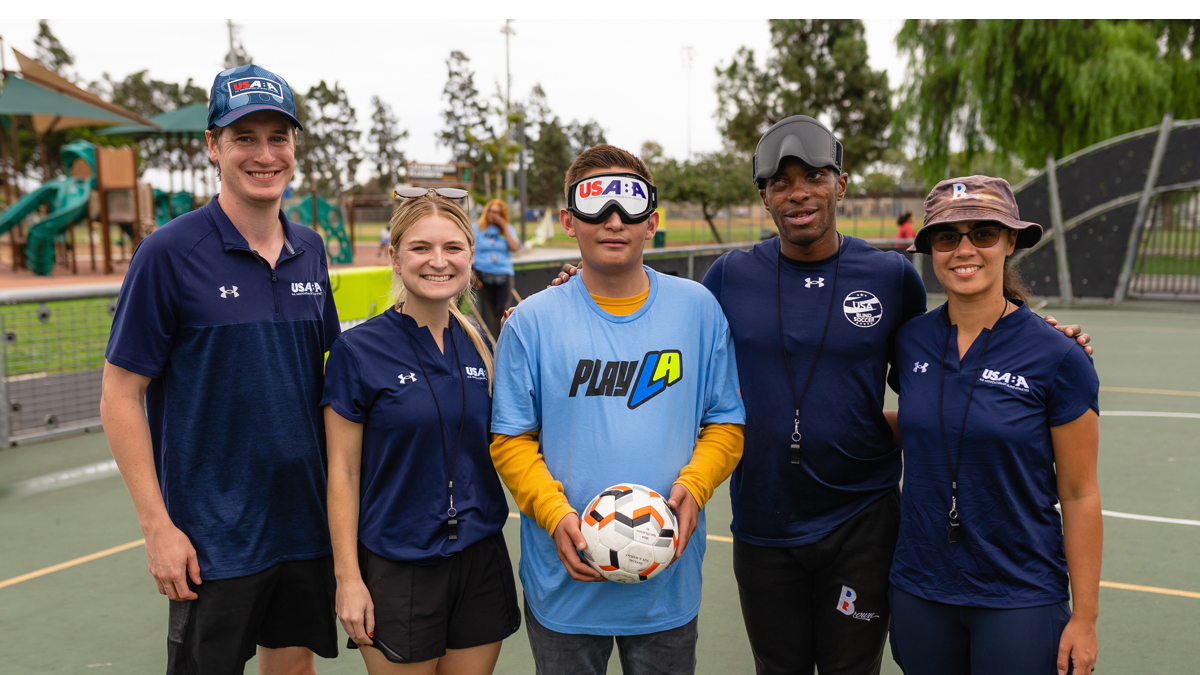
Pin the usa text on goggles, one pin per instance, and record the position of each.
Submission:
(594, 198)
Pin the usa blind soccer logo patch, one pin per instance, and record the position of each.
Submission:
(862, 309)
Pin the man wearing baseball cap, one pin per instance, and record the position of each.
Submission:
(211, 386)
(814, 315)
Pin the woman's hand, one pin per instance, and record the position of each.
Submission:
(1078, 647)
(568, 271)
(355, 610)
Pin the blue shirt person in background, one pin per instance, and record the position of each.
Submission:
(998, 414)
(416, 511)
(562, 436)
(219, 336)
(494, 245)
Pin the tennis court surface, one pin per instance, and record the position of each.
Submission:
(75, 596)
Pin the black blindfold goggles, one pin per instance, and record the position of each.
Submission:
(593, 199)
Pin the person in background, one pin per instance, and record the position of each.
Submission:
(904, 230)
(999, 418)
(494, 246)
(385, 240)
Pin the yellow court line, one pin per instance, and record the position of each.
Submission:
(71, 563)
(1160, 392)
(1150, 589)
(712, 537)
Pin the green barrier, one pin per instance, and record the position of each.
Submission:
(360, 292)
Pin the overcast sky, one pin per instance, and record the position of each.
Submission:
(637, 91)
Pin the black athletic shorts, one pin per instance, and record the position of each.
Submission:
(422, 610)
(822, 605)
(287, 605)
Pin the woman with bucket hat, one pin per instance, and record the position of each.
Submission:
(998, 414)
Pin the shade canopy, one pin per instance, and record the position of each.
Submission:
(35, 72)
(50, 109)
(190, 121)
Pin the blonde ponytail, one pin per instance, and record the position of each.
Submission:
(409, 213)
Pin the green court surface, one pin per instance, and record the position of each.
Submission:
(104, 615)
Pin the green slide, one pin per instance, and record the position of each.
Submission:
(67, 202)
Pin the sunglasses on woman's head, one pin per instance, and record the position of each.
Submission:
(453, 194)
(949, 240)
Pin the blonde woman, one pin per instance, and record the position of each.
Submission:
(416, 511)
(494, 245)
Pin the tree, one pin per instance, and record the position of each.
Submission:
(384, 136)
(51, 53)
(146, 96)
(548, 152)
(818, 67)
(476, 131)
(326, 148)
(713, 181)
(1032, 88)
(466, 113)
(584, 135)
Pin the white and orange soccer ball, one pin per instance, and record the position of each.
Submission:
(630, 533)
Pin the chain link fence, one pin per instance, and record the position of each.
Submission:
(52, 360)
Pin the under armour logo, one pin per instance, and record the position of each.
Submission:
(225, 293)
(405, 379)
(809, 283)
(919, 367)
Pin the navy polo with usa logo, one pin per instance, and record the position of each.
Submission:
(1031, 378)
(235, 352)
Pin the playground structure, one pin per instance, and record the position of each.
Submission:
(1121, 219)
(332, 226)
(99, 190)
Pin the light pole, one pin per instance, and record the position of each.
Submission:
(508, 173)
(688, 54)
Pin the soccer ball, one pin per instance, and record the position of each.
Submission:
(630, 533)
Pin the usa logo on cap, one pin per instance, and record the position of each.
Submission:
(246, 89)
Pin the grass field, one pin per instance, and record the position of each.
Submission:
(104, 615)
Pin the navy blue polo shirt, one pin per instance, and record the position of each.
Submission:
(374, 378)
(1009, 552)
(234, 351)
(849, 459)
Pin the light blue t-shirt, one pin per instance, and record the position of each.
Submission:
(491, 251)
(586, 380)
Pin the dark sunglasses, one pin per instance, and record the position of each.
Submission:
(949, 240)
(453, 194)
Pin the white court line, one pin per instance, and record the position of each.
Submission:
(60, 479)
(1153, 519)
(1142, 413)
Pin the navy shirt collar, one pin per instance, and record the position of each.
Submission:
(1014, 318)
(233, 239)
(808, 264)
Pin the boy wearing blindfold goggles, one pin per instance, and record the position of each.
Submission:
(606, 382)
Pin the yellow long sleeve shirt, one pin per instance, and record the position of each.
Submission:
(540, 496)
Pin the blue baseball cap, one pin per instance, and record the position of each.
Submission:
(246, 89)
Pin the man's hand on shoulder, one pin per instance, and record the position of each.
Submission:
(172, 560)
(569, 541)
(1073, 330)
(568, 271)
(687, 513)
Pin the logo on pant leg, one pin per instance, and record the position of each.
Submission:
(845, 605)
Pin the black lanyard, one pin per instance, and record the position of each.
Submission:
(451, 521)
(953, 526)
(787, 366)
